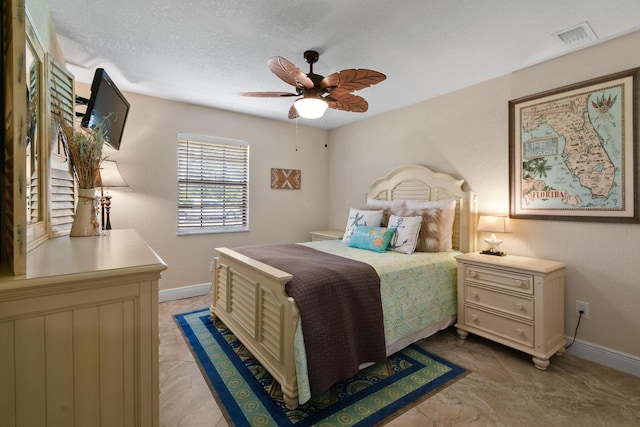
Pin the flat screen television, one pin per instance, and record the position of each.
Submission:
(107, 107)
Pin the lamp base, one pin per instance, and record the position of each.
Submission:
(493, 252)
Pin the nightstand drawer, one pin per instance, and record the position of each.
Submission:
(494, 324)
(499, 278)
(517, 305)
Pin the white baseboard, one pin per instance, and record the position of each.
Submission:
(605, 356)
(184, 292)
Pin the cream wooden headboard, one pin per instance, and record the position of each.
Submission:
(415, 182)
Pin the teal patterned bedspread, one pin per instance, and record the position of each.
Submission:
(417, 290)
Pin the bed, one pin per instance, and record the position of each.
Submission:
(249, 296)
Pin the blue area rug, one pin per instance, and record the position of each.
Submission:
(250, 397)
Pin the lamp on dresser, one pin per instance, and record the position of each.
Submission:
(494, 224)
(110, 177)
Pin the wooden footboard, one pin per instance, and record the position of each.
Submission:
(249, 298)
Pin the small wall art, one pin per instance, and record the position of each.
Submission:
(286, 179)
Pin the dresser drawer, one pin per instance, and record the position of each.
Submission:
(521, 306)
(494, 324)
(500, 278)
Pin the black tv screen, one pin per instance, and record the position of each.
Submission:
(107, 108)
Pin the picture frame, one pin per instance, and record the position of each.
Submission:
(286, 179)
(572, 151)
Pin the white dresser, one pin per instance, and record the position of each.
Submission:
(79, 334)
(516, 301)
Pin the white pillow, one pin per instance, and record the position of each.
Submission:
(405, 238)
(385, 204)
(361, 217)
(448, 207)
(388, 207)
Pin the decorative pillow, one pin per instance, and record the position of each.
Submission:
(387, 206)
(448, 207)
(371, 238)
(429, 235)
(360, 217)
(405, 238)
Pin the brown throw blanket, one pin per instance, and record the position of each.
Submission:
(340, 307)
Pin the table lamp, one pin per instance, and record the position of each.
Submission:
(109, 177)
(494, 224)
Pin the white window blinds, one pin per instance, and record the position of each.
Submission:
(213, 184)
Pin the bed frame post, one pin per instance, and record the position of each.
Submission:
(468, 222)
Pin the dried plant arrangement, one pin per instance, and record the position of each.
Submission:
(84, 149)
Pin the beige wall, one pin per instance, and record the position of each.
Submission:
(465, 133)
(148, 162)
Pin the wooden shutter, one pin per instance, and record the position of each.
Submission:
(62, 184)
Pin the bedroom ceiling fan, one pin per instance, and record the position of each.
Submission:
(318, 92)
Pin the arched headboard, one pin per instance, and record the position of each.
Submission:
(416, 182)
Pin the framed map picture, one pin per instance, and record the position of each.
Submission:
(572, 151)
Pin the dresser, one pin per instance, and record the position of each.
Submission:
(516, 301)
(79, 334)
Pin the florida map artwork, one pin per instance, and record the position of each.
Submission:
(573, 152)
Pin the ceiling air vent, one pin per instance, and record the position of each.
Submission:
(578, 35)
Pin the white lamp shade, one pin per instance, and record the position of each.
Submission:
(310, 107)
(494, 224)
(110, 176)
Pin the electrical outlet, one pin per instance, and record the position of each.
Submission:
(584, 307)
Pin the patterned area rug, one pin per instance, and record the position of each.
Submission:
(250, 397)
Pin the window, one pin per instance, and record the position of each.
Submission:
(213, 184)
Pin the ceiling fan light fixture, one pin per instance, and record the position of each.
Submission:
(311, 107)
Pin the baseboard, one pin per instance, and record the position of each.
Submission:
(605, 356)
(184, 292)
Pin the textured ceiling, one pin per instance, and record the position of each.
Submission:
(206, 51)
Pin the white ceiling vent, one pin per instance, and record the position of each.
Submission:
(578, 35)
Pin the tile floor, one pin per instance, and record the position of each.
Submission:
(504, 388)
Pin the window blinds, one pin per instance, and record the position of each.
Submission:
(213, 184)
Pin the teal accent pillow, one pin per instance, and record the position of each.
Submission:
(371, 238)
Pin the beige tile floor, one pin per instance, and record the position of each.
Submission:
(504, 389)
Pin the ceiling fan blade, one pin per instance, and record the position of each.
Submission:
(289, 73)
(352, 79)
(267, 94)
(293, 113)
(347, 102)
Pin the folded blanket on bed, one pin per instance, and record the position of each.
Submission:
(340, 309)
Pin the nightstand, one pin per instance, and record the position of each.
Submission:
(513, 300)
(326, 235)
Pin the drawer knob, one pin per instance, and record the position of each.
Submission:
(474, 317)
(519, 306)
(474, 295)
(519, 332)
(518, 282)
(473, 274)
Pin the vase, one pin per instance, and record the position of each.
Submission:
(85, 220)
